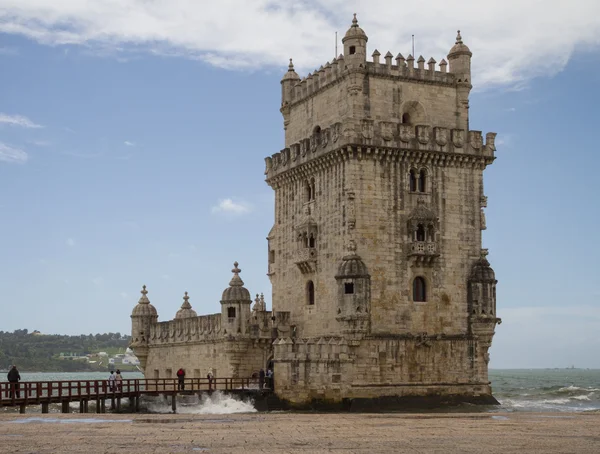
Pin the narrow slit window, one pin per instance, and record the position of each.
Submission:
(231, 312)
(349, 288)
(310, 293)
(419, 290)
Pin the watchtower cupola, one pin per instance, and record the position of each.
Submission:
(355, 45)
(235, 305)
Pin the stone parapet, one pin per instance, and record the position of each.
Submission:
(381, 139)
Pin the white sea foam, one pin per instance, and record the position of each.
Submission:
(215, 404)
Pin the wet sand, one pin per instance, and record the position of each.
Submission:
(276, 433)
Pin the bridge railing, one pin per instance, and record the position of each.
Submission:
(35, 392)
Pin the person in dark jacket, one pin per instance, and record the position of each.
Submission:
(261, 379)
(13, 377)
(180, 379)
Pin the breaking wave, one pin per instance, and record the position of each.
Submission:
(215, 404)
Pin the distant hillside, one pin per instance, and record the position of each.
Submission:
(37, 352)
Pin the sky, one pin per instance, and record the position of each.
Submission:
(133, 137)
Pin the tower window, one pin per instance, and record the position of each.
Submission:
(349, 288)
(412, 180)
(271, 256)
(422, 180)
(231, 312)
(311, 241)
(310, 293)
(352, 50)
(420, 233)
(308, 196)
(419, 290)
(406, 118)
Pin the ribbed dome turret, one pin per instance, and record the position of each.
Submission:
(459, 48)
(143, 307)
(352, 266)
(186, 310)
(482, 271)
(291, 73)
(236, 290)
(355, 31)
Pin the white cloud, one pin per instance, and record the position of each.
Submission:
(129, 144)
(17, 120)
(5, 50)
(512, 40)
(229, 206)
(70, 242)
(11, 154)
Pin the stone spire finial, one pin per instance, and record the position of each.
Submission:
(186, 302)
(484, 253)
(291, 66)
(144, 299)
(355, 21)
(458, 37)
(236, 280)
(262, 302)
(351, 246)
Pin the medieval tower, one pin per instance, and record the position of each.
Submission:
(381, 289)
(376, 249)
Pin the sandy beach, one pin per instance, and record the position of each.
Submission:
(303, 433)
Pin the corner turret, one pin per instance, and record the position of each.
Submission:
(355, 45)
(235, 305)
(459, 58)
(288, 82)
(142, 317)
(186, 310)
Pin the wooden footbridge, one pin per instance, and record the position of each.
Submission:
(64, 392)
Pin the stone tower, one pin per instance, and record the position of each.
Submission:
(376, 249)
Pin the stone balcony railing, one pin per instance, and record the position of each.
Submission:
(306, 260)
(423, 252)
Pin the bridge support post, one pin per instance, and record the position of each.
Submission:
(131, 403)
(22, 408)
(118, 404)
(44, 407)
(112, 403)
(98, 409)
(103, 405)
(137, 404)
(174, 402)
(81, 410)
(65, 406)
(85, 405)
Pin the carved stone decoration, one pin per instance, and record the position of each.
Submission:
(313, 144)
(335, 132)
(475, 140)
(303, 147)
(295, 148)
(276, 160)
(285, 154)
(490, 141)
(406, 132)
(324, 137)
(387, 130)
(351, 209)
(354, 89)
(268, 164)
(483, 225)
(441, 136)
(483, 201)
(367, 129)
(458, 137)
(347, 130)
(423, 134)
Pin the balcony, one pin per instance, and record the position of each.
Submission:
(306, 260)
(423, 252)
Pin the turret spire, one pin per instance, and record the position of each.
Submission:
(458, 38)
(236, 280)
(144, 299)
(355, 21)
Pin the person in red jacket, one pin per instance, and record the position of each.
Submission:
(180, 379)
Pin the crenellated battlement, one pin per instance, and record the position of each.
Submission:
(386, 136)
(203, 328)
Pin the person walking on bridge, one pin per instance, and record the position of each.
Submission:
(181, 379)
(13, 377)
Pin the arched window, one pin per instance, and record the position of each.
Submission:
(430, 233)
(310, 293)
(406, 118)
(312, 189)
(311, 240)
(352, 50)
(422, 180)
(420, 233)
(419, 290)
(412, 180)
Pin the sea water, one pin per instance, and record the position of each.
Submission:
(538, 390)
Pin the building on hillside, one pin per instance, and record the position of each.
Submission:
(380, 285)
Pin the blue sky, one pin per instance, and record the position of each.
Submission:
(132, 144)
